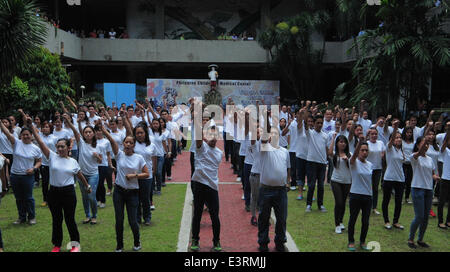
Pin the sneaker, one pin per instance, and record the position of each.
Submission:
(280, 248)
(108, 193)
(169, 178)
(293, 188)
(238, 179)
(56, 249)
(157, 192)
(195, 245)
(137, 248)
(119, 250)
(32, 221)
(299, 197)
(18, 222)
(412, 245)
(254, 221)
(44, 204)
(408, 201)
(308, 208)
(322, 208)
(75, 249)
(152, 207)
(217, 247)
(423, 244)
(147, 223)
(102, 205)
(98, 203)
(314, 199)
(387, 226)
(435, 200)
(243, 197)
(432, 214)
(376, 212)
(263, 248)
(338, 230)
(163, 184)
(342, 226)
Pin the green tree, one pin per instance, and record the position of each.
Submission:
(39, 85)
(396, 59)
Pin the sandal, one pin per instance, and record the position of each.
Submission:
(351, 248)
(88, 220)
(398, 226)
(441, 227)
(364, 247)
(93, 221)
(388, 226)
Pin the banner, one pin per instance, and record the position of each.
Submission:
(243, 92)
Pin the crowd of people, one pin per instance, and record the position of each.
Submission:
(133, 149)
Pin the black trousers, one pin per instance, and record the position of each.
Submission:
(62, 202)
(293, 160)
(444, 196)
(340, 192)
(235, 159)
(228, 145)
(204, 194)
(399, 188)
(359, 203)
(376, 177)
(407, 170)
(45, 171)
(192, 159)
(104, 172)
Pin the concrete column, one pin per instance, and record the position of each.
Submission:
(265, 15)
(159, 19)
(138, 25)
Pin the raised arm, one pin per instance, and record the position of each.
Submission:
(127, 124)
(71, 102)
(72, 127)
(38, 139)
(446, 143)
(114, 146)
(10, 136)
(331, 147)
(395, 126)
(358, 147)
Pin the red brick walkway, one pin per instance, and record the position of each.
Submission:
(237, 234)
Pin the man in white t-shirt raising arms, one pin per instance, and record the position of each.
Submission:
(275, 167)
(205, 184)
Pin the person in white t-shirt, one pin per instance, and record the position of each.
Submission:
(158, 138)
(363, 118)
(421, 190)
(27, 159)
(104, 168)
(316, 162)
(50, 141)
(275, 165)
(444, 192)
(131, 167)
(89, 159)
(341, 178)
(205, 183)
(93, 117)
(61, 196)
(2, 190)
(407, 146)
(394, 178)
(118, 137)
(377, 151)
(360, 197)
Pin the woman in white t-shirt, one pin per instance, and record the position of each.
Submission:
(147, 150)
(62, 198)
(444, 192)
(434, 153)
(421, 190)
(341, 179)
(376, 156)
(360, 193)
(104, 168)
(407, 146)
(89, 159)
(50, 141)
(157, 137)
(167, 167)
(118, 137)
(284, 140)
(131, 167)
(394, 178)
(2, 190)
(27, 159)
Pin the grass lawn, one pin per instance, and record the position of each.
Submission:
(161, 236)
(314, 232)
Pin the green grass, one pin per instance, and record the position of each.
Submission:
(314, 232)
(160, 236)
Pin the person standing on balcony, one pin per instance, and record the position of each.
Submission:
(112, 34)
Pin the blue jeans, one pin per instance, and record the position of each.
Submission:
(23, 192)
(90, 200)
(422, 200)
(130, 199)
(145, 186)
(246, 182)
(301, 171)
(316, 173)
(159, 172)
(269, 198)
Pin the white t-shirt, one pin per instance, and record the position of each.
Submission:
(93, 119)
(302, 144)
(283, 140)
(147, 152)
(361, 178)
(50, 142)
(365, 123)
(135, 120)
(434, 154)
(5, 144)
(417, 132)
(166, 135)
(207, 161)
(274, 165)
(105, 146)
(446, 166)
(407, 150)
(317, 146)
(62, 134)
(2, 163)
(423, 169)
(88, 163)
(341, 172)
(118, 138)
(328, 126)
(293, 131)
(256, 151)
(394, 161)
(284, 115)
(375, 154)
(128, 165)
(62, 170)
(24, 156)
(384, 136)
(157, 139)
(440, 141)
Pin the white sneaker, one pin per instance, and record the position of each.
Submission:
(376, 212)
(293, 188)
(238, 179)
(308, 208)
(338, 230)
(137, 248)
(322, 209)
(102, 205)
(342, 226)
(243, 197)
(169, 178)
(152, 207)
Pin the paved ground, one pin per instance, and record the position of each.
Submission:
(237, 234)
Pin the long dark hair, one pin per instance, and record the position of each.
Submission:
(160, 128)
(354, 136)
(401, 145)
(434, 144)
(336, 150)
(94, 139)
(416, 144)
(404, 133)
(144, 126)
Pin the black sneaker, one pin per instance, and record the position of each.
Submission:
(263, 248)
(195, 245)
(280, 248)
(253, 221)
(217, 247)
(423, 244)
(412, 245)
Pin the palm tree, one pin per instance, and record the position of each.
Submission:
(21, 32)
